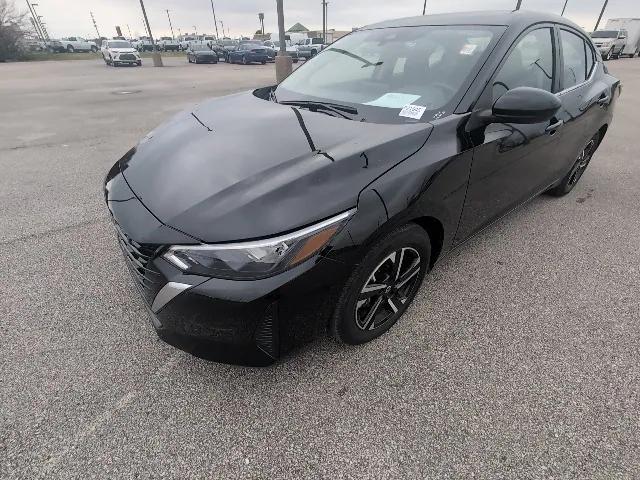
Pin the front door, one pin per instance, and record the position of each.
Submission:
(513, 162)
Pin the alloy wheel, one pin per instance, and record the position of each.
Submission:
(388, 289)
(582, 162)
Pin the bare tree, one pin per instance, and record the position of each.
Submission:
(12, 30)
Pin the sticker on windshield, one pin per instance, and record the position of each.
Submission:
(468, 49)
(412, 111)
(393, 100)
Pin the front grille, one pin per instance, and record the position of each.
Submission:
(142, 270)
(127, 56)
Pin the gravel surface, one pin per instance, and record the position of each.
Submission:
(520, 357)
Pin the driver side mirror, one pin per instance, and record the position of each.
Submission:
(523, 105)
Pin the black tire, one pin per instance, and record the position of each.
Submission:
(116, 64)
(572, 178)
(264, 62)
(139, 63)
(94, 49)
(346, 326)
(70, 49)
(244, 60)
(295, 60)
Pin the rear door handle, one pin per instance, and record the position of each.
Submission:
(551, 129)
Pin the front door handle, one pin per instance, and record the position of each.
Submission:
(551, 129)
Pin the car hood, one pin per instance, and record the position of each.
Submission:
(123, 50)
(219, 175)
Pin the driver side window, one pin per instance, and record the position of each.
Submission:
(529, 64)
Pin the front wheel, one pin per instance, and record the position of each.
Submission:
(579, 167)
(94, 49)
(244, 60)
(70, 49)
(382, 287)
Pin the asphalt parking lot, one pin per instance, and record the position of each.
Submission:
(520, 357)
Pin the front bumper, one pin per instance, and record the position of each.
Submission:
(241, 322)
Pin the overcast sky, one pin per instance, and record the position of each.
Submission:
(71, 17)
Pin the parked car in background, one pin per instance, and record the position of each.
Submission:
(248, 52)
(610, 43)
(292, 51)
(56, 46)
(168, 44)
(120, 52)
(200, 53)
(632, 27)
(186, 41)
(310, 47)
(144, 44)
(420, 132)
(227, 45)
(78, 44)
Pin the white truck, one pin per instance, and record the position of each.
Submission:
(310, 47)
(78, 44)
(167, 44)
(632, 28)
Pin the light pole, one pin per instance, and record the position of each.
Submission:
(170, 26)
(564, 8)
(38, 18)
(519, 4)
(601, 13)
(157, 59)
(215, 22)
(261, 19)
(424, 8)
(324, 21)
(222, 26)
(284, 63)
(195, 31)
(95, 25)
(36, 22)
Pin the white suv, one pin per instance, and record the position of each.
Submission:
(120, 52)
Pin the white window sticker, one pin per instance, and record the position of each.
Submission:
(412, 111)
(468, 49)
(393, 100)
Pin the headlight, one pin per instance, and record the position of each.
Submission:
(259, 259)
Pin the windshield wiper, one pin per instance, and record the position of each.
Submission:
(329, 107)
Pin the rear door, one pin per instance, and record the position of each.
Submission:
(513, 162)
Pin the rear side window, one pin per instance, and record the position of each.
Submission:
(529, 64)
(578, 59)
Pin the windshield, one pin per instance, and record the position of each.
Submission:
(200, 48)
(120, 44)
(381, 71)
(605, 34)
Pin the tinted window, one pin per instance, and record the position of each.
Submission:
(574, 53)
(590, 58)
(529, 64)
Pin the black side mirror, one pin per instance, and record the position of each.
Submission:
(525, 105)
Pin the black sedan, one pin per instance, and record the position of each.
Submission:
(201, 54)
(393, 146)
(247, 53)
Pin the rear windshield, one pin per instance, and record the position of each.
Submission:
(381, 71)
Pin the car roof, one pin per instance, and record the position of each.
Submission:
(516, 18)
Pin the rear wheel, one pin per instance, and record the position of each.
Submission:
(382, 287)
(244, 60)
(579, 167)
(94, 49)
(70, 49)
